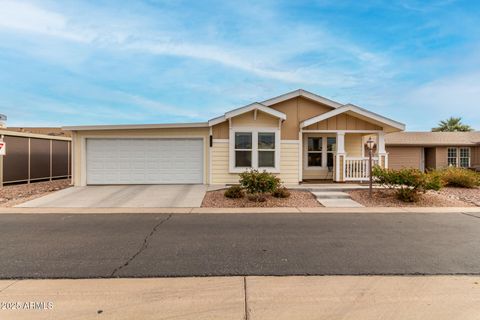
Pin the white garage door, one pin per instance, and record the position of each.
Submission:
(144, 161)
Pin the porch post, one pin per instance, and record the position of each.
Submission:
(340, 158)
(382, 153)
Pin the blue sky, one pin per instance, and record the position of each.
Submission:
(152, 61)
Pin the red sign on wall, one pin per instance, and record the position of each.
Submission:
(3, 148)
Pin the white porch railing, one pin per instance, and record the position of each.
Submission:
(357, 169)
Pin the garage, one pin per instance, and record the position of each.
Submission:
(144, 161)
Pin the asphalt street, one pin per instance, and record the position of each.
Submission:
(162, 245)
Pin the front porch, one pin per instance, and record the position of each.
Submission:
(333, 144)
(340, 155)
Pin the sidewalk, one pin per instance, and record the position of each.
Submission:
(16, 210)
(345, 297)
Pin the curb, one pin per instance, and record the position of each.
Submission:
(136, 210)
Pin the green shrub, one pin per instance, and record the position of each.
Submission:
(281, 193)
(460, 177)
(434, 181)
(258, 183)
(234, 192)
(407, 183)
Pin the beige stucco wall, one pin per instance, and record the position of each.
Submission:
(79, 145)
(404, 157)
(220, 164)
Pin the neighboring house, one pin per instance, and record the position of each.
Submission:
(299, 135)
(34, 157)
(433, 150)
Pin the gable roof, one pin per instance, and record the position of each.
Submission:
(251, 107)
(363, 113)
(302, 93)
(433, 138)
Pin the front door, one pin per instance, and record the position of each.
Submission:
(319, 156)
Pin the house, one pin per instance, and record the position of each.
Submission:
(299, 136)
(433, 150)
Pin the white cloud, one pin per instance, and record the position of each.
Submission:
(25, 17)
(270, 60)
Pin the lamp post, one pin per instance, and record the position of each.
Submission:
(370, 145)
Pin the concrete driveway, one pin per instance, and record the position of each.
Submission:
(152, 196)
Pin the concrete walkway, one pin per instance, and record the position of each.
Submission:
(275, 298)
(124, 196)
(335, 199)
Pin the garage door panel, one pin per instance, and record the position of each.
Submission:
(144, 161)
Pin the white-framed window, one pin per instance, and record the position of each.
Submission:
(458, 157)
(464, 157)
(315, 152)
(254, 148)
(452, 157)
(320, 152)
(243, 149)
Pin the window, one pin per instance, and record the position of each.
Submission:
(458, 157)
(464, 157)
(243, 149)
(321, 152)
(331, 148)
(452, 157)
(266, 149)
(315, 146)
(257, 149)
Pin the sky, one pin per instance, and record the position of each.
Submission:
(153, 61)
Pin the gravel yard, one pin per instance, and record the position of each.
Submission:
(468, 195)
(447, 197)
(298, 198)
(15, 194)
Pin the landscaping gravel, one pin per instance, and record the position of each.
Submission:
(387, 198)
(468, 195)
(298, 198)
(12, 195)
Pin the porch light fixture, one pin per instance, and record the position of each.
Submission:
(370, 146)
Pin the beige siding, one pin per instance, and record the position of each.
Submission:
(353, 144)
(220, 167)
(289, 163)
(248, 120)
(343, 122)
(441, 157)
(298, 110)
(475, 156)
(79, 156)
(220, 164)
(220, 131)
(404, 157)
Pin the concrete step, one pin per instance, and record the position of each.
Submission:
(339, 203)
(331, 195)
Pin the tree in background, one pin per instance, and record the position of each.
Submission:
(451, 125)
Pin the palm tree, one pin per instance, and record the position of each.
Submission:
(452, 124)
